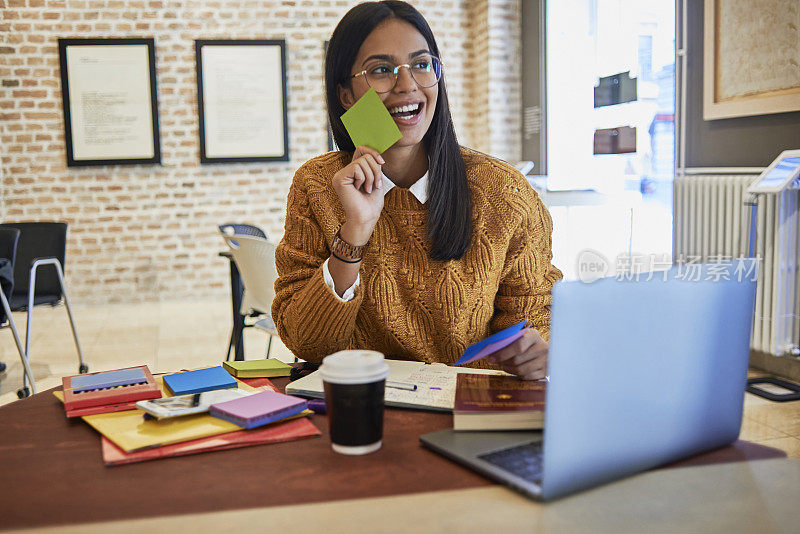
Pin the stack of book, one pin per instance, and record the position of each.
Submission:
(489, 402)
(177, 418)
(108, 391)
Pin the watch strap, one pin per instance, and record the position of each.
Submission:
(346, 252)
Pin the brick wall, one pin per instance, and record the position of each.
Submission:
(148, 232)
(476, 77)
(505, 75)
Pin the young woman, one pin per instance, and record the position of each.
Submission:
(422, 250)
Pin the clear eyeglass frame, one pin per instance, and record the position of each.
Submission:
(436, 67)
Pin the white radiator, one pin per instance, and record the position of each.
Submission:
(711, 222)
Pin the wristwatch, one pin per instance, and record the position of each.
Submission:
(344, 251)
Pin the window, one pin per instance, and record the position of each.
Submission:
(610, 95)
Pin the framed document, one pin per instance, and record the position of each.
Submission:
(108, 89)
(241, 93)
(747, 69)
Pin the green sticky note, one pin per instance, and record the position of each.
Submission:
(369, 123)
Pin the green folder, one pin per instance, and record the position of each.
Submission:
(369, 123)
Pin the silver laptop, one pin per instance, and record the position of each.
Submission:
(642, 373)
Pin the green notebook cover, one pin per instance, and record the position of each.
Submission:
(269, 367)
(369, 123)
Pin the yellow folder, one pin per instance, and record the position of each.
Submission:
(131, 432)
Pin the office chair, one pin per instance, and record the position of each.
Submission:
(8, 251)
(40, 244)
(254, 256)
(241, 229)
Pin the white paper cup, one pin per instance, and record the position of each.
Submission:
(354, 382)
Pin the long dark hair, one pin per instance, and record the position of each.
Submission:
(449, 207)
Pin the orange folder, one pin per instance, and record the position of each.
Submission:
(287, 431)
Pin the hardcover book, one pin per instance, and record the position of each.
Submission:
(486, 402)
(257, 368)
(259, 409)
(108, 390)
(199, 380)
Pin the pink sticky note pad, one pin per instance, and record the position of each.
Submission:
(497, 345)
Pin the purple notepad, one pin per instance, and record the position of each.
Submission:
(259, 409)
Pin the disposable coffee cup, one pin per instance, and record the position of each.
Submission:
(354, 382)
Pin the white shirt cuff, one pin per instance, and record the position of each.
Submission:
(351, 291)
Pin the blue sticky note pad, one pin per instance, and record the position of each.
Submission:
(109, 379)
(472, 350)
(199, 381)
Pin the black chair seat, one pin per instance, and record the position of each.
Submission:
(20, 302)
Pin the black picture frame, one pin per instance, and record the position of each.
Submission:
(70, 128)
(204, 134)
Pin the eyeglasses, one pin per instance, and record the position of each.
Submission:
(426, 70)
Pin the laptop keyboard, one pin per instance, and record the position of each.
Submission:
(524, 461)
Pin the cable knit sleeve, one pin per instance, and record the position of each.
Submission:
(528, 274)
(311, 320)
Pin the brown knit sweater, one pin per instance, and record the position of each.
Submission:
(408, 306)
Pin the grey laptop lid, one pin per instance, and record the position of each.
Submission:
(644, 372)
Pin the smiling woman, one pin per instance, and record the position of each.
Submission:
(422, 250)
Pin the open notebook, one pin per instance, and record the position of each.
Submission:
(436, 385)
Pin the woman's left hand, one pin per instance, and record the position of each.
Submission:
(526, 357)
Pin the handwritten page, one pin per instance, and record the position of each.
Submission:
(436, 385)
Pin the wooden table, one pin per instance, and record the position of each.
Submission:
(53, 474)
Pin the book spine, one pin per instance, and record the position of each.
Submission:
(228, 417)
(108, 408)
(204, 389)
(280, 414)
(128, 394)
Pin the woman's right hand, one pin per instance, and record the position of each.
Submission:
(360, 190)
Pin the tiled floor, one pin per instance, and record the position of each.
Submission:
(169, 336)
(775, 424)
